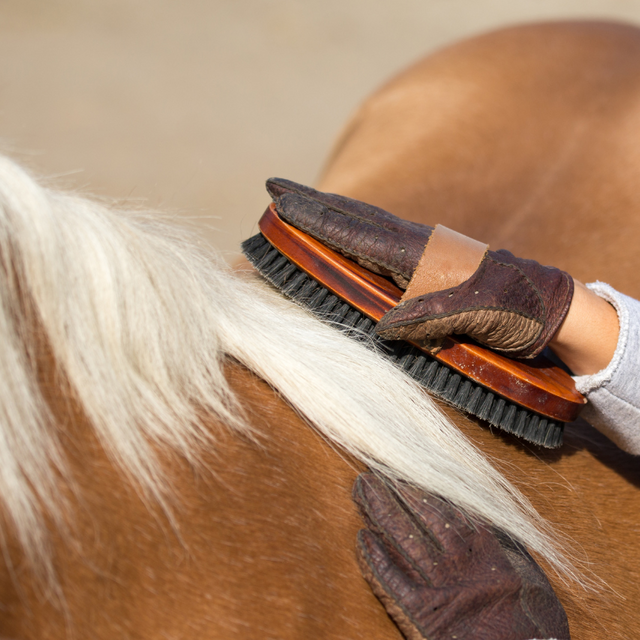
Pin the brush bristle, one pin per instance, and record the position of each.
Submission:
(436, 377)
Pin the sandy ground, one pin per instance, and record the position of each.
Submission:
(189, 105)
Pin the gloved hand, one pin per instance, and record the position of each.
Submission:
(509, 304)
(440, 575)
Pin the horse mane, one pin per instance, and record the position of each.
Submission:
(139, 322)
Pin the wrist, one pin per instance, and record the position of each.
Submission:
(588, 337)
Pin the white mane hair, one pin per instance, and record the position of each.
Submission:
(139, 323)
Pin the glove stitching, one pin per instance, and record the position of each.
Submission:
(345, 213)
(350, 253)
(528, 280)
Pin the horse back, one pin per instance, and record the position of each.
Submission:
(522, 138)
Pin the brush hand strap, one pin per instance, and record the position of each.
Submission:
(509, 304)
(448, 260)
(441, 575)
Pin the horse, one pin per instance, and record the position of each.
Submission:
(179, 442)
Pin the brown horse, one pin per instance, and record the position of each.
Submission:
(157, 477)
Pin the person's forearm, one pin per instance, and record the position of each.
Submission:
(587, 339)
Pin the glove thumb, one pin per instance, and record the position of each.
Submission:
(460, 310)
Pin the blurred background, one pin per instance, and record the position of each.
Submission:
(189, 105)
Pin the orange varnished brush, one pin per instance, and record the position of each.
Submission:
(531, 399)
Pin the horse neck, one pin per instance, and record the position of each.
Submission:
(264, 530)
(262, 543)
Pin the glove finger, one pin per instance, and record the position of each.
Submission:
(395, 587)
(446, 523)
(474, 585)
(386, 565)
(491, 568)
(356, 208)
(427, 533)
(386, 515)
(471, 549)
(376, 239)
(419, 609)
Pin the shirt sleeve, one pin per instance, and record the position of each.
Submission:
(614, 392)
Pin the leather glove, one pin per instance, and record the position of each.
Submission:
(441, 575)
(509, 304)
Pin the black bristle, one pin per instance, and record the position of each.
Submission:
(441, 379)
(475, 400)
(429, 374)
(253, 245)
(553, 438)
(257, 246)
(434, 376)
(497, 411)
(532, 425)
(292, 287)
(418, 365)
(265, 262)
(316, 300)
(449, 392)
(406, 362)
(340, 314)
(365, 325)
(543, 427)
(328, 305)
(464, 391)
(308, 287)
(484, 411)
(508, 418)
(520, 426)
(280, 270)
(351, 320)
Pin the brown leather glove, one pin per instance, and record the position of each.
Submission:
(440, 575)
(512, 305)
(378, 240)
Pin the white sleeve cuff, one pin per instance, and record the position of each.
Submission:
(586, 384)
(614, 392)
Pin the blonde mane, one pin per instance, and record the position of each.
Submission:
(139, 322)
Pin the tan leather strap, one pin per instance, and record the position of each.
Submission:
(448, 260)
